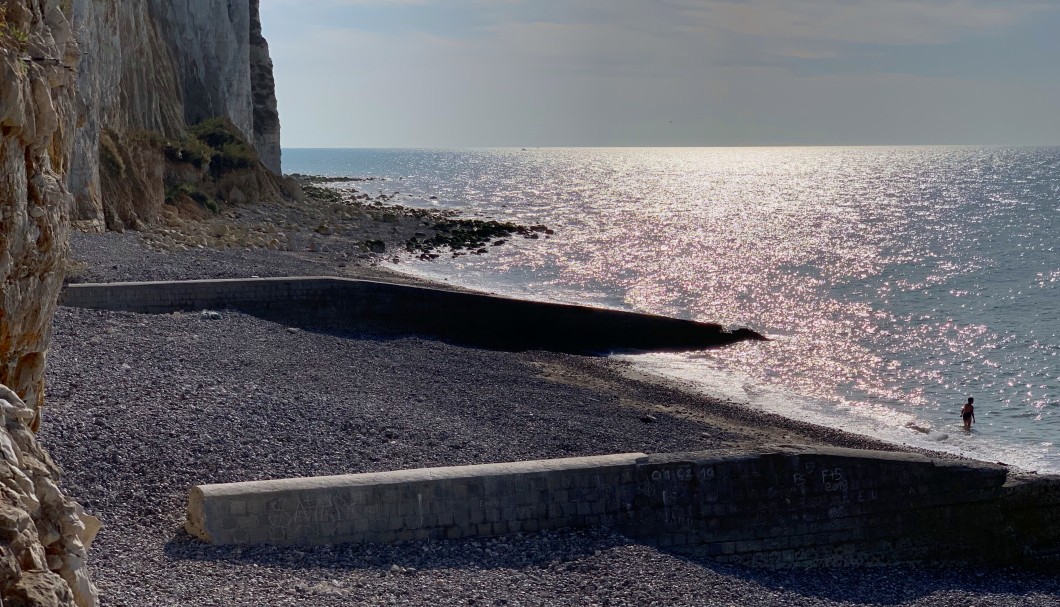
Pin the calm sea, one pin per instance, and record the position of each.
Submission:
(896, 282)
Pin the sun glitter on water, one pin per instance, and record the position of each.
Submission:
(898, 280)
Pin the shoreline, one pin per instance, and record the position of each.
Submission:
(142, 407)
(206, 262)
(602, 373)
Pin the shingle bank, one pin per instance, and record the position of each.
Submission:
(787, 506)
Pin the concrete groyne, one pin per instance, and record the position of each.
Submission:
(787, 506)
(472, 318)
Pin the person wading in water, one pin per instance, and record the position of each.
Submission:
(968, 414)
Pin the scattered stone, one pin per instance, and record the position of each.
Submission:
(233, 401)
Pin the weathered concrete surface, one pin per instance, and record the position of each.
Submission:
(473, 318)
(449, 502)
(789, 506)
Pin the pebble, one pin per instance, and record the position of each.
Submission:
(233, 401)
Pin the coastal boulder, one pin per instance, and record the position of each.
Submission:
(44, 535)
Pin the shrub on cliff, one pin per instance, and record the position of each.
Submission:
(182, 192)
(11, 35)
(189, 150)
(230, 150)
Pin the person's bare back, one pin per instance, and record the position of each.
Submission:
(968, 414)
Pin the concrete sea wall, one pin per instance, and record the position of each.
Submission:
(479, 319)
(788, 506)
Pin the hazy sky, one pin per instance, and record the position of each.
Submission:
(455, 73)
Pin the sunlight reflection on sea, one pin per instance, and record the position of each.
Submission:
(897, 280)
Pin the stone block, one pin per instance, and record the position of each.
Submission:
(526, 496)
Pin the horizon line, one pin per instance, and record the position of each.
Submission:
(777, 145)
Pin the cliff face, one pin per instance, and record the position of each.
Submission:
(96, 99)
(263, 89)
(43, 534)
(38, 113)
(150, 69)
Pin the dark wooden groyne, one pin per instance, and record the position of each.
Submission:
(385, 308)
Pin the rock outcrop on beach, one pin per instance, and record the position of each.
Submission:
(150, 70)
(43, 534)
(108, 109)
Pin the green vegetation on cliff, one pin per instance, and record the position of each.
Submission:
(11, 35)
(196, 163)
(230, 150)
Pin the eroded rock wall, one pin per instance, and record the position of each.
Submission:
(151, 69)
(43, 534)
(37, 120)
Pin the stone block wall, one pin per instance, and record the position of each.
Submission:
(430, 503)
(473, 318)
(808, 507)
(784, 507)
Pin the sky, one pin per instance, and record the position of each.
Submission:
(484, 73)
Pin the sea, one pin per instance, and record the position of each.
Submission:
(893, 282)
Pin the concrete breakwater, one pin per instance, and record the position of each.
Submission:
(787, 506)
(471, 318)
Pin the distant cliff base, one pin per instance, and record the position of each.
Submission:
(211, 166)
(151, 75)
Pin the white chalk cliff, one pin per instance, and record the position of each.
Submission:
(151, 68)
(91, 93)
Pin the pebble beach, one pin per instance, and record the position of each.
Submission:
(141, 407)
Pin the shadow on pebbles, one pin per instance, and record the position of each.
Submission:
(142, 407)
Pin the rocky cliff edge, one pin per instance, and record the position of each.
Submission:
(108, 111)
(43, 534)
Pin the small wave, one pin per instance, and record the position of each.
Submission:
(879, 422)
